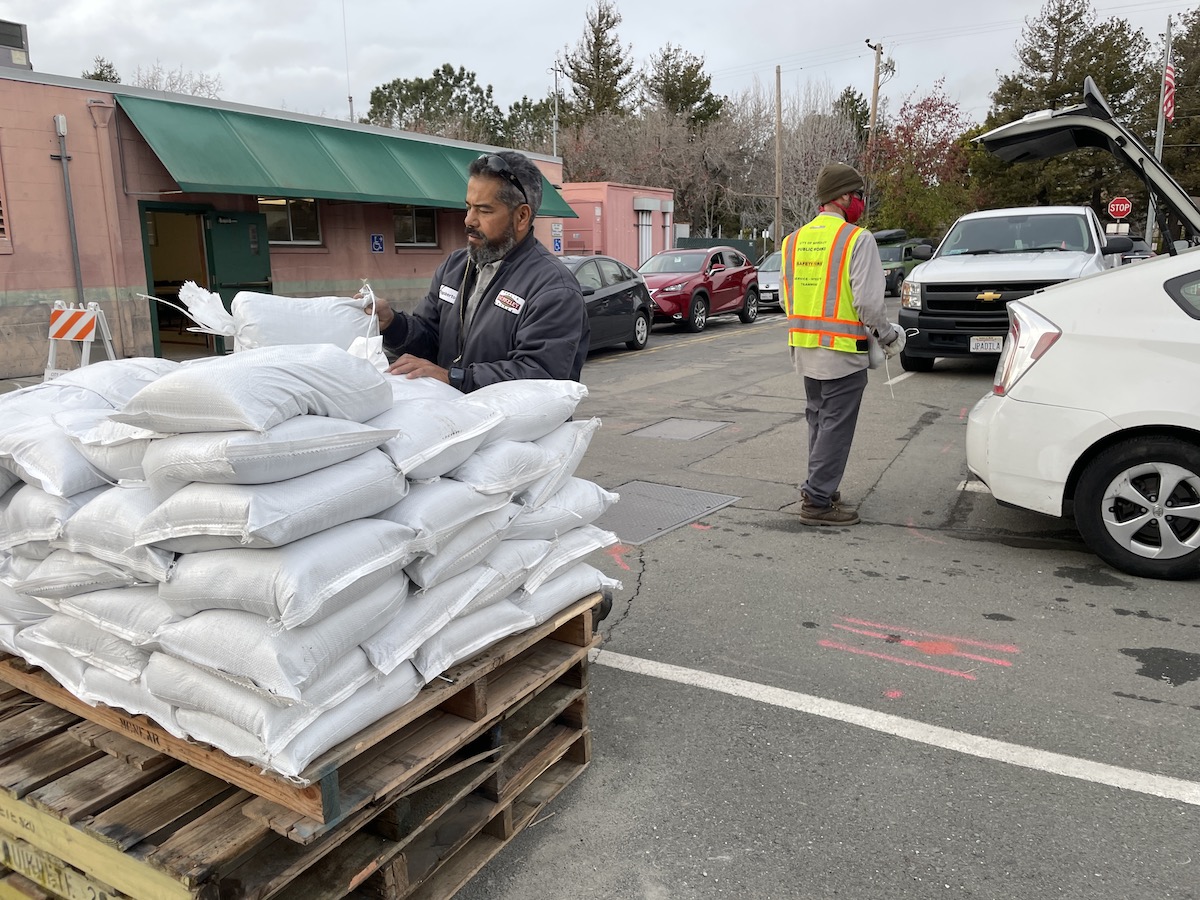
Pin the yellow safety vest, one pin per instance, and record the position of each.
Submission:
(815, 287)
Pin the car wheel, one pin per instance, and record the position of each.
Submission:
(698, 315)
(1137, 507)
(916, 363)
(641, 332)
(750, 308)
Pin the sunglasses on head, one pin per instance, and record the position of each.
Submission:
(497, 166)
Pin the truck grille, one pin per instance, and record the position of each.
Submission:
(964, 299)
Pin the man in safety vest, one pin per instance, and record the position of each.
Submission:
(832, 291)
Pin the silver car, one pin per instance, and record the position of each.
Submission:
(768, 279)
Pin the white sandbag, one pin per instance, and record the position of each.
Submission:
(8, 480)
(570, 547)
(134, 614)
(40, 453)
(18, 611)
(201, 517)
(257, 389)
(269, 320)
(434, 436)
(106, 527)
(576, 503)
(566, 445)
(467, 547)
(117, 380)
(405, 389)
(30, 515)
(85, 642)
(66, 668)
(98, 686)
(504, 467)
(257, 653)
(185, 685)
(15, 569)
(468, 635)
(292, 448)
(421, 616)
(370, 703)
(112, 448)
(296, 584)
(436, 510)
(568, 587)
(531, 407)
(65, 574)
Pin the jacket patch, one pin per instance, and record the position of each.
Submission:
(448, 294)
(510, 302)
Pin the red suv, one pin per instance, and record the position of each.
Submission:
(688, 286)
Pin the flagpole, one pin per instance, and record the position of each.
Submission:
(1158, 135)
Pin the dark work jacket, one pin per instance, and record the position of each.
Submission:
(530, 323)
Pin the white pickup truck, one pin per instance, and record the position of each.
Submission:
(955, 304)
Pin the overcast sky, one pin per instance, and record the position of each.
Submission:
(310, 56)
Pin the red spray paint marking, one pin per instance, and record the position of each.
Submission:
(700, 527)
(916, 532)
(893, 694)
(834, 645)
(931, 648)
(615, 552)
(962, 414)
(999, 648)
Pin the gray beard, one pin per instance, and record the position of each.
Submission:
(490, 251)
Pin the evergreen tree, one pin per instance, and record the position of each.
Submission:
(104, 71)
(450, 103)
(529, 125)
(599, 68)
(676, 83)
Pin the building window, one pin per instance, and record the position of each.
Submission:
(416, 226)
(291, 220)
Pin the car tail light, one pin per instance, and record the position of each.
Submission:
(1030, 335)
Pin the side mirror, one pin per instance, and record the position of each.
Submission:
(588, 291)
(922, 252)
(716, 268)
(1118, 243)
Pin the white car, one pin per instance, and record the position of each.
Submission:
(1095, 409)
(768, 278)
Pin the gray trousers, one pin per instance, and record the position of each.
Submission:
(832, 414)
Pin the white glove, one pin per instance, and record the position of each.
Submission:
(897, 343)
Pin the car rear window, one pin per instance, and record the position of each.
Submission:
(1185, 290)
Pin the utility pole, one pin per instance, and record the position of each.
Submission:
(1158, 140)
(777, 231)
(554, 139)
(878, 48)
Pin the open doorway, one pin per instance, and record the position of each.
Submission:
(176, 254)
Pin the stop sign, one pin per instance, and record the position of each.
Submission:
(1119, 207)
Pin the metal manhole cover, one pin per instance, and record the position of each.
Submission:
(646, 511)
(679, 429)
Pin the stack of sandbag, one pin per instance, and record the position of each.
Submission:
(287, 545)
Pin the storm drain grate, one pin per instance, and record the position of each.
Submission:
(679, 429)
(646, 511)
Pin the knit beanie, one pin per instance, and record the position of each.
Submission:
(837, 179)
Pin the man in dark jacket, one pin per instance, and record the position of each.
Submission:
(503, 308)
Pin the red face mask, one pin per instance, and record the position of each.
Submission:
(854, 211)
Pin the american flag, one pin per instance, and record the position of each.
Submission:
(1169, 90)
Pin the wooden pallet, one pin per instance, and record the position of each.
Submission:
(91, 813)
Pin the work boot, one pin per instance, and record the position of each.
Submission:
(827, 515)
(835, 498)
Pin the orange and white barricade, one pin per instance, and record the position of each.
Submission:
(77, 324)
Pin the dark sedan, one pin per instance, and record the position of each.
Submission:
(618, 302)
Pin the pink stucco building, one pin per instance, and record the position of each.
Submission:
(624, 221)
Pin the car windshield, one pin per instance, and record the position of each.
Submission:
(771, 263)
(891, 254)
(1018, 234)
(673, 262)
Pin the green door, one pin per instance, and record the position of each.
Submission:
(239, 256)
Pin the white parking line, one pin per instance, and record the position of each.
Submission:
(977, 487)
(933, 735)
(898, 378)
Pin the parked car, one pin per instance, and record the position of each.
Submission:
(1094, 410)
(896, 254)
(618, 301)
(1141, 250)
(954, 305)
(769, 273)
(689, 286)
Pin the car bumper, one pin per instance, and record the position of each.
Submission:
(670, 306)
(768, 295)
(934, 336)
(1025, 472)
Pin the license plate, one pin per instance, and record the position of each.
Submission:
(768, 295)
(987, 344)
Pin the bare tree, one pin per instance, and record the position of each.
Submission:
(178, 81)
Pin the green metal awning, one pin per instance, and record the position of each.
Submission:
(221, 151)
